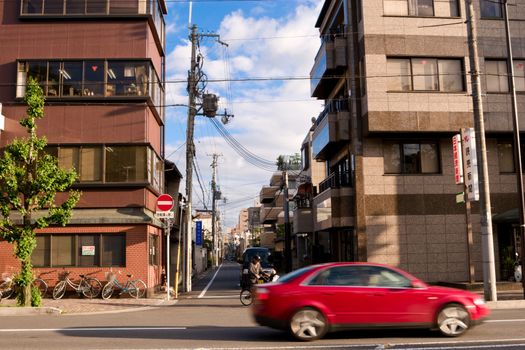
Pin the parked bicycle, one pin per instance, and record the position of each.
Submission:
(90, 287)
(136, 288)
(8, 287)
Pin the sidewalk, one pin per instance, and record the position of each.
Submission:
(70, 305)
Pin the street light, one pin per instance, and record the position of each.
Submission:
(516, 131)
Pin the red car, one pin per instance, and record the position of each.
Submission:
(316, 299)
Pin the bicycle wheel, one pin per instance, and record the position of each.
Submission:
(133, 290)
(41, 285)
(107, 291)
(141, 287)
(59, 290)
(246, 297)
(6, 289)
(90, 287)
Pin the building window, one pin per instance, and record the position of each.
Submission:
(113, 250)
(424, 74)
(154, 250)
(421, 8)
(305, 157)
(491, 8)
(126, 164)
(92, 78)
(496, 76)
(506, 156)
(85, 250)
(411, 158)
(116, 164)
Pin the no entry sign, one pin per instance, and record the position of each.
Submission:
(164, 202)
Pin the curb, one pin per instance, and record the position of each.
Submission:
(29, 311)
(506, 304)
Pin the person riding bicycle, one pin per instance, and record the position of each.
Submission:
(255, 269)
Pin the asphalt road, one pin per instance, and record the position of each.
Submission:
(212, 317)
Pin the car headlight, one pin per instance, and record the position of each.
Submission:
(479, 301)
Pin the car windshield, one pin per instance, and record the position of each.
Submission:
(294, 274)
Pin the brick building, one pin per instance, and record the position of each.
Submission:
(101, 65)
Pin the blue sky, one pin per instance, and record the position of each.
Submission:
(271, 39)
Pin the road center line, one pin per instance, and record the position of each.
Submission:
(209, 283)
(509, 320)
(91, 329)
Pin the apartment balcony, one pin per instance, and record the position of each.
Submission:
(332, 129)
(330, 63)
(268, 193)
(270, 215)
(335, 203)
(303, 220)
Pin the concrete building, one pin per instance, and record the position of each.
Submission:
(101, 65)
(393, 74)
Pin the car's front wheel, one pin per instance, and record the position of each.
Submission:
(308, 324)
(453, 320)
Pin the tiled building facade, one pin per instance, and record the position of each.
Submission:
(394, 76)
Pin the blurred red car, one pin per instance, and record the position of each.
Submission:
(316, 299)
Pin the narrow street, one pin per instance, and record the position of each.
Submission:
(212, 317)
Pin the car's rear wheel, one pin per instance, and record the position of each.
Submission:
(308, 324)
(453, 320)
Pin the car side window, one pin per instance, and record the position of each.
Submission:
(341, 276)
(387, 278)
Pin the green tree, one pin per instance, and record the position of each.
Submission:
(291, 162)
(29, 182)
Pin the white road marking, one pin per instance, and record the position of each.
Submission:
(91, 329)
(209, 283)
(220, 297)
(510, 320)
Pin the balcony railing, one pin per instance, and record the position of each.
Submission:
(333, 106)
(304, 202)
(336, 180)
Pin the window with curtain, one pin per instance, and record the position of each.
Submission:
(496, 76)
(421, 8)
(425, 74)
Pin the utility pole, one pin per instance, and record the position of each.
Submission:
(487, 242)
(190, 152)
(287, 228)
(215, 193)
(209, 105)
(517, 142)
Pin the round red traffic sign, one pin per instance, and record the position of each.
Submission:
(164, 202)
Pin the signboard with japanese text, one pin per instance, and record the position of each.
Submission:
(470, 163)
(88, 250)
(198, 232)
(458, 159)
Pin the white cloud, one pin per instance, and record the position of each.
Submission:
(272, 117)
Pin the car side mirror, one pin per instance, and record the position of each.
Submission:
(418, 285)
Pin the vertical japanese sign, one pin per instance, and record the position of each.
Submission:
(458, 159)
(470, 163)
(198, 232)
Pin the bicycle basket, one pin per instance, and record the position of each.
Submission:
(62, 275)
(110, 276)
